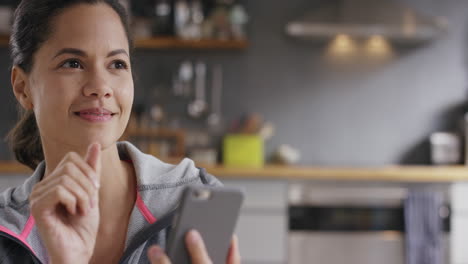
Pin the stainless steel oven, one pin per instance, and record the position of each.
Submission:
(353, 223)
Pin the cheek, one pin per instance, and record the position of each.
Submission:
(57, 94)
(49, 95)
(125, 95)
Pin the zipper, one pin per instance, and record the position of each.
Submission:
(14, 239)
(144, 235)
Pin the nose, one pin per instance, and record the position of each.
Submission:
(97, 86)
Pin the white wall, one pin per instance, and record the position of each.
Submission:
(11, 180)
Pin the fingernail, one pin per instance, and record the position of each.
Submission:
(194, 237)
(155, 253)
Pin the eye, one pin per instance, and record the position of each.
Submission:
(72, 64)
(119, 64)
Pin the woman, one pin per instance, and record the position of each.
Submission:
(90, 197)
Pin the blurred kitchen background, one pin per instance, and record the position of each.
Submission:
(343, 120)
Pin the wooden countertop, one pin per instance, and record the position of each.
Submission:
(385, 173)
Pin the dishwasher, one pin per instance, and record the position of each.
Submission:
(338, 223)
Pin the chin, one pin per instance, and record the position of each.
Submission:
(104, 140)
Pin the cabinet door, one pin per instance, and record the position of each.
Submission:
(262, 194)
(262, 238)
(459, 223)
(263, 223)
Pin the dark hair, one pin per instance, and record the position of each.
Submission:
(31, 28)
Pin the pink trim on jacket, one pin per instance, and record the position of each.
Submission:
(27, 228)
(141, 205)
(144, 210)
(24, 234)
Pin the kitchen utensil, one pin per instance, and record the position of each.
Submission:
(286, 154)
(182, 17)
(199, 105)
(162, 22)
(186, 77)
(157, 113)
(194, 27)
(445, 148)
(205, 156)
(215, 118)
(267, 131)
(252, 123)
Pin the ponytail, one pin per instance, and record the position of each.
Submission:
(25, 141)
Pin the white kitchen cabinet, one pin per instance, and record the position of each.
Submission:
(459, 196)
(459, 223)
(263, 224)
(337, 247)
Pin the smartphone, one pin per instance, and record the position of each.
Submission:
(212, 211)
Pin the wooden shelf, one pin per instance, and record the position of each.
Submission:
(378, 174)
(415, 174)
(175, 43)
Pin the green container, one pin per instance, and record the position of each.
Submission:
(243, 150)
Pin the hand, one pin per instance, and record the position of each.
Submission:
(65, 207)
(197, 251)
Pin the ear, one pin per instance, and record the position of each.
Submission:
(19, 82)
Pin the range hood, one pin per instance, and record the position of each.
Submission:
(365, 18)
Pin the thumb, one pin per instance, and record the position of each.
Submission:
(93, 157)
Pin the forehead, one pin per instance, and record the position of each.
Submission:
(92, 27)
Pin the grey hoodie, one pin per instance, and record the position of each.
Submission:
(159, 186)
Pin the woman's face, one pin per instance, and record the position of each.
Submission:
(81, 82)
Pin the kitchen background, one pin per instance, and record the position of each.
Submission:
(349, 110)
(361, 113)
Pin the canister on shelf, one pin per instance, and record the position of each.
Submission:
(445, 148)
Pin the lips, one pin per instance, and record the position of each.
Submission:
(95, 114)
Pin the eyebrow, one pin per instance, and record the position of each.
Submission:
(82, 53)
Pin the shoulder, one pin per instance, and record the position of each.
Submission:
(176, 176)
(14, 203)
(14, 211)
(153, 173)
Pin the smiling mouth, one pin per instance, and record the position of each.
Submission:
(94, 114)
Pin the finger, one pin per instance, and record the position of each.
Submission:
(93, 158)
(72, 169)
(197, 248)
(84, 180)
(84, 198)
(85, 168)
(79, 162)
(234, 255)
(70, 172)
(53, 197)
(156, 256)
